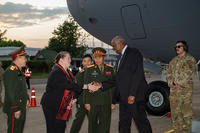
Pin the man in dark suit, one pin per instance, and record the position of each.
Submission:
(131, 87)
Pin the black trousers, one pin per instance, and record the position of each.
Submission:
(52, 124)
(28, 82)
(136, 112)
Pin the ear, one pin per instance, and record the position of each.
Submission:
(60, 61)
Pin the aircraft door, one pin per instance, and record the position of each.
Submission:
(132, 22)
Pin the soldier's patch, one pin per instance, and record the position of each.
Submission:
(191, 64)
(13, 68)
(108, 73)
(95, 74)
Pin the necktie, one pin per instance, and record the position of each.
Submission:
(118, 61)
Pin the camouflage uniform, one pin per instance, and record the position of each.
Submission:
(181, 71)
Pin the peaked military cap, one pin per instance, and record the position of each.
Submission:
(18, 52)
(98, 51)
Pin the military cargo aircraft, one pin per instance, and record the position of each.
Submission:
(152, 26)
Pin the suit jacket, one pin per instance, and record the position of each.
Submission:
(129, 79)
(56, 84)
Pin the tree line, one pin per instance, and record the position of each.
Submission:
(67, 36)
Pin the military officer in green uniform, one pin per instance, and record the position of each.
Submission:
(180, 73)
(1, 87)
(16, 96)
(81, 111)
(98, 103)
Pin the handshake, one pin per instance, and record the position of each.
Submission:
(93, 86)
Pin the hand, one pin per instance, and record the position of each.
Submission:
(171, 85)
(92, 87)
(87, 107)
(27, 103)
(74, 101)
(131, 100)
(177, 86)
(113, 106)
(174, 85)
(97, 84)
(17, 114)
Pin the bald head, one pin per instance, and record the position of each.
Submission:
(119, 39)
(118, 43)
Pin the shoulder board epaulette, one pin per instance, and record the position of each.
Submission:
(13, 68)
(90, 66)
(109, 65)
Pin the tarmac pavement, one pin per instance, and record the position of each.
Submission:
(35, 122)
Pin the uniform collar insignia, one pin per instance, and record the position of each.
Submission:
(90, 66)
(108, 65)
(14, 68)
(108, 73)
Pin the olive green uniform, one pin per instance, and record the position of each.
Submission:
(100, 102)
(181, 71)
(81, 111)
(15, 98)
(1, 87)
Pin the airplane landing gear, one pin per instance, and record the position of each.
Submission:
(158, 98)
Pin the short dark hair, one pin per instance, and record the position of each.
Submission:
(185, 45)
(87, 56)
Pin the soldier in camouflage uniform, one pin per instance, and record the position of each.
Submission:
(81, 111)
(16, 96)
(98, 103)
(180, 73)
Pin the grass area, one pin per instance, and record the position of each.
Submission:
(39, 75)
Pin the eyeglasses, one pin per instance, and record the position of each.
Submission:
(179, 46)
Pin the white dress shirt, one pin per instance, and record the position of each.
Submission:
(122, 54)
